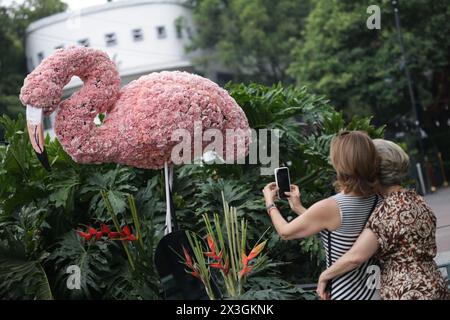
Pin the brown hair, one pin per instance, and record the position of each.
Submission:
(355, 159)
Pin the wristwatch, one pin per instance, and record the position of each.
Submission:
(270, 206)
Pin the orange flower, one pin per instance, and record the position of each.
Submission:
(246, 259)
(218, 265)
(256, 250)
(211, 243)
(246, 270)
(212, 249)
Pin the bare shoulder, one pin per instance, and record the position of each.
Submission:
(327, 208)
(328, 203)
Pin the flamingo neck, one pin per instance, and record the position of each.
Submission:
(74, 125)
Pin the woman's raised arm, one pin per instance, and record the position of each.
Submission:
(322, 215)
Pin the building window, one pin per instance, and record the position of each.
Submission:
(179, 30)
(84, 42)
(138, 34)
(59, 47)
(111, 39)
(40, 56)
(161, 32)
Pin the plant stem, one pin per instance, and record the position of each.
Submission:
(117, 226)
(136, 220)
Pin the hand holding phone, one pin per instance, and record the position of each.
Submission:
(283, 181)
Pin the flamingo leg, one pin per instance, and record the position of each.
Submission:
(171, 221)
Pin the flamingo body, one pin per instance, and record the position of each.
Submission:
(141, 116)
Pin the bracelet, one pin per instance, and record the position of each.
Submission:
(270, 207)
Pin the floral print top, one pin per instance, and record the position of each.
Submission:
(405, 228)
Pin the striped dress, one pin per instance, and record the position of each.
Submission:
(354, 214)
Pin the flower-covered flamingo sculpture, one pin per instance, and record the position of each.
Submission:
(140, 117)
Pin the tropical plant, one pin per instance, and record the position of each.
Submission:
(227, 245)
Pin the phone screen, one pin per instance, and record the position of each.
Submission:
(283, 181)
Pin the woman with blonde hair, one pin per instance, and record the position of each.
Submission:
(401, 232)
(340, 218)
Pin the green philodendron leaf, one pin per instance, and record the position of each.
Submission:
(118, 201)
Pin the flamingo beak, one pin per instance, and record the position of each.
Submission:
(35, 127)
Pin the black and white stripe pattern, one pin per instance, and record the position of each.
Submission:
(354, 214)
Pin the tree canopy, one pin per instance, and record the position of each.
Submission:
(251, 38)
(362, 70)
(14, 20)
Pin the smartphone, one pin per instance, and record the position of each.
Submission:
(283, 181)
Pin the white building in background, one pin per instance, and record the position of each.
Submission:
(140, 36)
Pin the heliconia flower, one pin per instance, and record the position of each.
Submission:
(214, 255)
(126, 234)
(188, 258)
(216, 265)
(105, 229)
(113, 235)
(256, 250)
(212, 247)
(86, 236)
(92, 231)
(211, 244)
(244, 259)
(126, 231)
(131, 237)
(246, 270)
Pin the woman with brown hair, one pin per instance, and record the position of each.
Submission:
(340, 218)
(402, 233)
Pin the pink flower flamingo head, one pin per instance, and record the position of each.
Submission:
(141, 117)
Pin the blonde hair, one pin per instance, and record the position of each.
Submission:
(354, 157)
(394, 162)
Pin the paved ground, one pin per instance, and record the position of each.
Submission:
(440, 202)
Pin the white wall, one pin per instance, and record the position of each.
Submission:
(131, 57)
